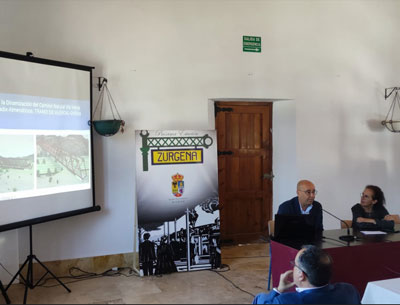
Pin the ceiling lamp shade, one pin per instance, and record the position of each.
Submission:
(107, 127)
(392, 120)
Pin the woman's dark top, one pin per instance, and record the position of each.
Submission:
(378, 214)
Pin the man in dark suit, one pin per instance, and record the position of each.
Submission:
(312, 271)
(305, 204)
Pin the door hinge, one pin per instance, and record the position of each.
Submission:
(225, 153)
(222, 109)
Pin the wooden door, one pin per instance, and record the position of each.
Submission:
(244, 132)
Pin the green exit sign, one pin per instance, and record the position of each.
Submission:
(252, 44)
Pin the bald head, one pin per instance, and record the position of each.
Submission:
(304, 184)
(306, 193)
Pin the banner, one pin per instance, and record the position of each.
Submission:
(177, 201)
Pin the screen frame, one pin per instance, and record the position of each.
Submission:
(30, 58)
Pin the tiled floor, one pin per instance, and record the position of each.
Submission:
(246, 276)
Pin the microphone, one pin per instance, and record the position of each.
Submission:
(347, 237)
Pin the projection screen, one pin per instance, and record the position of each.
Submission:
(46, 161)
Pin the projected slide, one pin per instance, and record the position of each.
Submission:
(16, 163)
(62, 160)
(45, 146)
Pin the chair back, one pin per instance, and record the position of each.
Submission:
(396, 218)
(349, 223)
(271, 228)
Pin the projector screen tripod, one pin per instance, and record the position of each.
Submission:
(4, 293)
(28, 281)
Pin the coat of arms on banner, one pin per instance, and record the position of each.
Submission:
(177, 185)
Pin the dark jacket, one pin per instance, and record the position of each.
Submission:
(340, 293)
(378, 214)
(292, 207)
(147, 253)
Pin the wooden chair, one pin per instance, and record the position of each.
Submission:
(349, 223)
(271, 228)
(396, 218)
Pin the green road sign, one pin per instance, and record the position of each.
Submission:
(251, 44)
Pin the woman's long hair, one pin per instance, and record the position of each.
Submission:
(378, 195)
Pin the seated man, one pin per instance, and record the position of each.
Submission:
(304, 204)
(312, 270)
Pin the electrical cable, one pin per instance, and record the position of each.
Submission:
(91, 275)
(88, 276)
(222, 268)
(337, 240)
(228, 269)
(232, 283)
(85, 275)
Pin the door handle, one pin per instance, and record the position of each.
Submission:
(269, 176)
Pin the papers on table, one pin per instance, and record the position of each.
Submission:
(373, 232)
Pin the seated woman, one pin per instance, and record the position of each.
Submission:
(370, 213)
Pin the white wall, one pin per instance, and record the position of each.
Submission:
(165, 59)
(284, 152)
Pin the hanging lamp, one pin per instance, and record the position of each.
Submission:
(108, 127)
(392, 120)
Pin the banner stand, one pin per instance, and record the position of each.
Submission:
(135, 268)
(176, 189)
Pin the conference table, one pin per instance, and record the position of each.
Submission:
(368, 258)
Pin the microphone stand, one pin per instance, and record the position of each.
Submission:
(347, 237)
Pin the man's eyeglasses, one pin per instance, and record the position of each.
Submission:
(314, 192)
(293, 263)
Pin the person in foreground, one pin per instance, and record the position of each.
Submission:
(370, 213)
(304, 204)
(312, 271)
